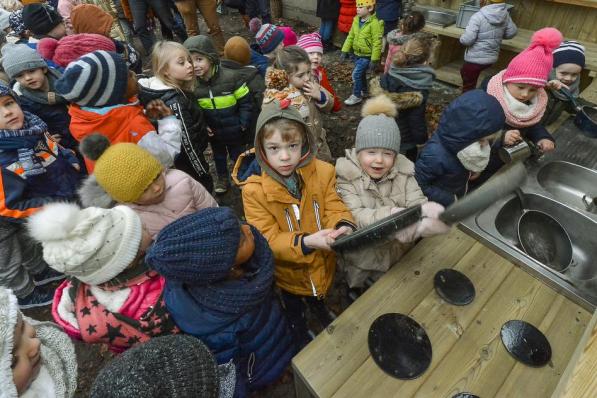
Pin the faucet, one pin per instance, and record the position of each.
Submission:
(590, 203)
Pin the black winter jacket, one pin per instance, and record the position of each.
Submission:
(328, 9)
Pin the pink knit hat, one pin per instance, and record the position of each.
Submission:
(289, 36)
(71, 47)
(311, 43)
(533, 64)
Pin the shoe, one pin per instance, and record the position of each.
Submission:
(222, 185)
(353, 100)
(46, 276)
(39, 297)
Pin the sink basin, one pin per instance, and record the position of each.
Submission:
(438, 17)
(568, 182)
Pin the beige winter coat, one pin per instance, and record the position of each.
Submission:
(370, 201)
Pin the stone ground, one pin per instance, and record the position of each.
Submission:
(341, 128)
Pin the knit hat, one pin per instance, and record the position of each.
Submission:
(311, 43)
(96, 79)
(71, 47)
(569, 52)
(378, 128)
(4, 19)
(202, 45)
(199, 248)
(16, 22)
(40, 19)
(89, 18)
(17, 58)
(533, 64)
(9, 312)
(237, 49)
(268, 37)
(290, 38)
(93, 245)
(365, 3)
(124, 170)
(166, 366)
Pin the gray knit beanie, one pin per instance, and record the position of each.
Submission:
(168, 366)
(17, 58)
(378, 128)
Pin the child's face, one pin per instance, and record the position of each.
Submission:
(154, 193)
(132, 89)
(568, 73)
(11, 115)
(301, 76)
(522, 91)
(26, 359)
(283, 155)
(180, 67)
(315, 58)
(246, 246)
(201, 65)
(34, 79)
(58, 32)
(364, 11)
(376, 162)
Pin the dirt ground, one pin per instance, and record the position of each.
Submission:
(341, 128)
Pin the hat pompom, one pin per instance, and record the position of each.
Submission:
(380, 105)
(54, 221)
(550, 38)
(255, 25)
(94, 145)
(47, 47)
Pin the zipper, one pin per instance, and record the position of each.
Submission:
(317, 216)
(297, 215)
(250, 364)
(313, 288)
(288, 220)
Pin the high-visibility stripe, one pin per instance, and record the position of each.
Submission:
(223, 101)
(12, 213)
(241, 91)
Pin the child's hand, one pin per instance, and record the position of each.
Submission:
(312, 89)
(512, 137)
(557, 85)
(156, 109)
(340, 231)
(546, 145)
(319, 240)
(372, 67)
(343, 57)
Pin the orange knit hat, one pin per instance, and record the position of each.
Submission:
(89, 18)
(237, 49)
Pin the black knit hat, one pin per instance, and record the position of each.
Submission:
(169, 366)
(40, 19)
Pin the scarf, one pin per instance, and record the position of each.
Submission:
(40, 97)
(418, 77)
(574, 88)
(518, 114)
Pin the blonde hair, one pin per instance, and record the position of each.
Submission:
(11, 5)
(161, 55)
(415, 51)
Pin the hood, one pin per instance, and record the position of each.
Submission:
(246, 166)
(468, 118)
(495, 14)
(103, 119)
(203, 45)
(152, 88)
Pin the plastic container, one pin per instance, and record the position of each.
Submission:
(468, 8)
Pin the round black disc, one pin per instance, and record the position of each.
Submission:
(454, 287)
(526, 343)
(465, 395)
(399, 346)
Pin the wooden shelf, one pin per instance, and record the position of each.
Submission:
(582, 3)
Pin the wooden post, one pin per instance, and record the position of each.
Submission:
(276, 8)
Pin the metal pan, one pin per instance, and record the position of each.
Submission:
(586, 116)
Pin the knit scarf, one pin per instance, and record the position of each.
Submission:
(25, 142)
(518, 114)
(418, 77)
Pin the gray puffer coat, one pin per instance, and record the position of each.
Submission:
(484, 33)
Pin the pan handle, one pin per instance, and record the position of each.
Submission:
(564, 91)
(521, 198)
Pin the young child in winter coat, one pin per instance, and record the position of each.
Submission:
(364, 40)
(482, 38)
(103, 92)
(126, 173)
(37, 358)
(269, 39)
(42, 21)
(410, 25)
(411, 74)
(375, 181)
(311, 43)
(219, 276)
(111, 297)
(459, 149)
(226, 103)
(290, 79)
(34, 170)
(291, 198)
(173, 82)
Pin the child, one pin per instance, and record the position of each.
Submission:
(34, 170)
(219, 276)
(374, 181)
(410, 73)
(311, 43)
(410, 25)
(70, 48)
(111, 296)
(37, 358)
(291, 79)
(364, 40)
(459, 148)
(328, 11)
(43, 21)
(269, 38)
(226, 103)
(173, 83)
(293, 202)
(103, 92)
(483, 38)
(130, 175)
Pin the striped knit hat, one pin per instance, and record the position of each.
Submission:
(311, 43)
(268, 37)
(569, 52)
(96, 79)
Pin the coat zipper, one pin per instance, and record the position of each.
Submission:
(250, 364)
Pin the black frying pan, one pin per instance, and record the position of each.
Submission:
(586, 116)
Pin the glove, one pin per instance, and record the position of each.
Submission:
(372, 67)
(431, 224)
(343, 57)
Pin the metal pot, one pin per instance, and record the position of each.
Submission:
(586, 116)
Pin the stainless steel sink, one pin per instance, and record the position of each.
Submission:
(440, 17)
(568, 182)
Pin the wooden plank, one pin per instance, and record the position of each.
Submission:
(335, 354)
(582, 3)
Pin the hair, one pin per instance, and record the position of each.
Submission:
(289, 58)
(415, 51)
(413, 22)
(161, 55)
(11, 5)
(289, 129)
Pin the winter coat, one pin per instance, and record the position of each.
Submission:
(258, 60)
(322, 77)
(370, 201)
(388, 10)
(484, 33)
(328, 9)
(194, 132)
(34, 170)
(365, 41)
(348, 9)
(470, 117)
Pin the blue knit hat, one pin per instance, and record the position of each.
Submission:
(15, 20)
(199, 248)
(5, 90)
(569, 52)
(96, 79)
(268, 37)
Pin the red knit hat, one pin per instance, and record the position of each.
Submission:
(311, 43)
(70, 48)
(533, 64)
(289, 35)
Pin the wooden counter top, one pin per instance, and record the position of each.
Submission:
(468, 354)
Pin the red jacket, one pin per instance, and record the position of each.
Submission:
(322, 76)
(348, 10)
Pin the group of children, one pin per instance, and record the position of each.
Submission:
(108, 185)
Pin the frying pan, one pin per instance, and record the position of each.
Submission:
(586, 116)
